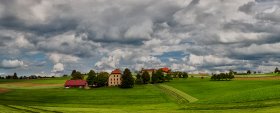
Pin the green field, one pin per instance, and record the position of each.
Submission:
(190, 95)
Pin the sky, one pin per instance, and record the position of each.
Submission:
(53, 37)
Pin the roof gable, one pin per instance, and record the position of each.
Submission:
(116, 71)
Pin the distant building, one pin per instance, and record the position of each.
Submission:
(150, 71)
(75, 83)
(165, 70)
(115, 78)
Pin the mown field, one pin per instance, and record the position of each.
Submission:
(260, 96)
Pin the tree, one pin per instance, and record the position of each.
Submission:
(73, 71)
(185, 75)
(168, 77)
(154, 78)
(249, 72)
(146, 77)
(91, 77)
(231, 72)
(101, 79)
(15, 76)
(276, 70)
(222, 76)
(127, 79)
(180, 74)
(160, 76)
(77, 76)
(138, 79)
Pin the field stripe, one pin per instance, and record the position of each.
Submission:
(20, 109)
(179, 94)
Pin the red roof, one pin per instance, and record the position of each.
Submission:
(75, 83)
(116, 71)
(165, 69)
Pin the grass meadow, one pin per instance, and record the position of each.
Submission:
(48, 95)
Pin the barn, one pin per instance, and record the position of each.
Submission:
(75, 83)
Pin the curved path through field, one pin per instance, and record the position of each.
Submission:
(180, 96)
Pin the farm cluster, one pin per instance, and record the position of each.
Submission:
(125, 79)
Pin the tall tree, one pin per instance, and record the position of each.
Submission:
(146, 77)
(91, 77)
(77, 76)
(127, 79)
(155, 78)
(185, 75)
(73, 71)
(276, 70)
(138, 79)
(101, 79)
(15, 76)
(160, 76)
(249, 72)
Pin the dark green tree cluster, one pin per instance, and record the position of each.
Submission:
(127, 79)
(145, 77)
(179, 74)
(15, 76)
(76, 75)
(158, 77)
(11, 76)
(138, 79)
(168, 77)
(249, 72)
(91, 77)
(222, 76)
(277, 70)
(101, 79)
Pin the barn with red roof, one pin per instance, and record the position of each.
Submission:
(75, 83)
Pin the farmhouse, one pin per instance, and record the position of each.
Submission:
(115, 78)
(75, 83)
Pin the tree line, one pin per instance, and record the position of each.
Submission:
(15, 76)
(222, 76)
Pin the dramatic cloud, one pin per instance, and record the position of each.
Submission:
(9, 64)
(187, 35)
(57, 68)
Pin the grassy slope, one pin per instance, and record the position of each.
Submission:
(147, 98)
(99, 96)
(228, 91)
(230, 94)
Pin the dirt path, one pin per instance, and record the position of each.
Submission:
(22, 84)
(3, 90)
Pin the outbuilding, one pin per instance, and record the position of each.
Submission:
(75, 83)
